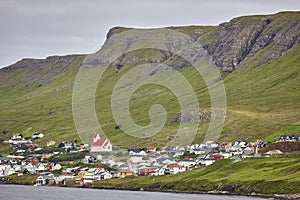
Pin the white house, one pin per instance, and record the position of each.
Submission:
(186, 163)
(160, 170)
(17, 136)
(207, 161)
(40, 167)
(100, 145)
(103, 176)
(211, 144)
(137, 152)
(175, 169)
(6, 170)
(37, 135)
(248, 150)
(45, 178)
(198, 151)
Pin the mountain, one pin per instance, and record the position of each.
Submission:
(258, 57)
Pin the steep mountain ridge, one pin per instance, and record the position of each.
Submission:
(233, 44)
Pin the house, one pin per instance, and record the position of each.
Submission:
(207, 161)
(40, 167)
(175, 169)
(17, 136)
(160, 170)
(126, 172)
(50, 143)
(211, 144)
(147, 171)
(100, 145)
(187, 162)
(198, 151)
(46, 179)
(136, 152)
(41, 180)
(89, 159)
(248, 150)
(54, 166)
(294, 137)
(102, 174)
(6, 170)
(67, 145)
(151, 149)
(37, 135)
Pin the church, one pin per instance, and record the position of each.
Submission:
(100, 145)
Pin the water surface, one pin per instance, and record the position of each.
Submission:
(21, 192)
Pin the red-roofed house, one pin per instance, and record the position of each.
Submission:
(100, 145)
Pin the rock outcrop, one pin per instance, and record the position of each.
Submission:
(251, 40)
(241, 39)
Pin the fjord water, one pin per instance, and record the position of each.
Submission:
(18, 192)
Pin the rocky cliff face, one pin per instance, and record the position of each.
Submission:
(37, 72)
(236, 42)
(251, 40)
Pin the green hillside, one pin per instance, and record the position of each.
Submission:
(263, 99)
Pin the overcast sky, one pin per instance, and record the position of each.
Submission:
(40, 28)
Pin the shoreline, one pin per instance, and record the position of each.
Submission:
(225, 193)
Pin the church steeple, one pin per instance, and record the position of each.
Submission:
(96, 137)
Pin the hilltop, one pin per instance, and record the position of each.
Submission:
(258, 57)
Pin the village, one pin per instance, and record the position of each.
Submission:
(56, 164)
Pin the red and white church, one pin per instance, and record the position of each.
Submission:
(100, 145)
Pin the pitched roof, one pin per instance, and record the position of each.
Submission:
(101, 142)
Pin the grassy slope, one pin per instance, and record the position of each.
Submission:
(265, 98)
(261, 101)
(29, 112)
(260, 175)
